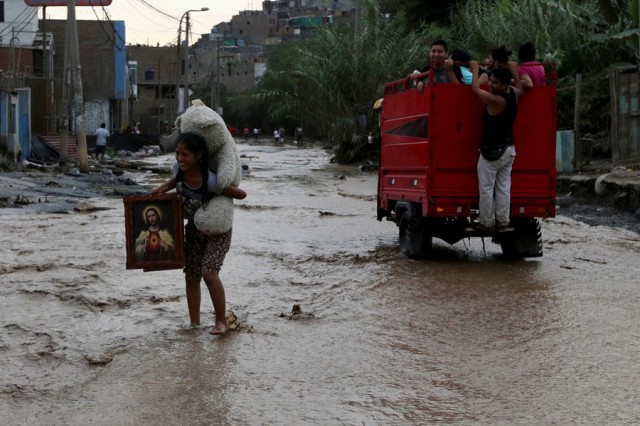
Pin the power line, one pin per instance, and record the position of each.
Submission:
(27, 19)
(113, 27)
(158, 10)
(142, 12)
(104, 30)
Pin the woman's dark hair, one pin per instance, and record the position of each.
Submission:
(196, 144)
(527, 52)
(500, 54)
(460, 55)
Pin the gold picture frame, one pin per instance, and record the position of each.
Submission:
(154, 230)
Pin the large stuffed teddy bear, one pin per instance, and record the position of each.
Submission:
(217, 215)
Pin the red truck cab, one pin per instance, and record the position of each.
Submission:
(427, 179)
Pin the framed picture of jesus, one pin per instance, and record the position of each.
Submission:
(154, 229)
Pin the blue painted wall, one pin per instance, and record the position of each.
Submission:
(120, 55)
(24, 121)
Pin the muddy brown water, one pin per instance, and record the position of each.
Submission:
(465, 337)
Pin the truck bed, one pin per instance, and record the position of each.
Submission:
(430, 148)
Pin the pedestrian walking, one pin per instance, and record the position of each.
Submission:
(102, 134)
(276, 137)
(299, 136)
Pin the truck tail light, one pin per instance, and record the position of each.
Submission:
(447, 210)
(532, 210)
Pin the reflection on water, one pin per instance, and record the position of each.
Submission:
(465, 337)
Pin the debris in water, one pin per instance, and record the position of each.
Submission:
(297, 314)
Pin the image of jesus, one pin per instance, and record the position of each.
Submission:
(154, 243)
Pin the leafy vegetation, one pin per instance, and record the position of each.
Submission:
(324, 82)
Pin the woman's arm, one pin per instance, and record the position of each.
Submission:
(513, 67)
(526, 82)
(234, 192)
(168, 185)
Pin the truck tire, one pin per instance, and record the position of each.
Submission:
(415, 239)
(525, 241)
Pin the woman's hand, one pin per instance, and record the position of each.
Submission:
(166, 186)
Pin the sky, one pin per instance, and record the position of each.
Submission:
(156, 21)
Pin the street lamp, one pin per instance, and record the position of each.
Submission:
(186, 51)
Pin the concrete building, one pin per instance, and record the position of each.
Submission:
(104, 71)
(234, 54)
(18, 30)
(159, 76)
(122, 85)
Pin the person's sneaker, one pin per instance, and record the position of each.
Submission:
(482, 228)
(501, 227)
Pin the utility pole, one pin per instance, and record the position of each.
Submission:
(66, 82)
(213, 77)
(186, 64)
(45, 65)
(73, 76)
(186, 55)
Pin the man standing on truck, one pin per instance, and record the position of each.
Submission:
(497, 152)
(440, 65)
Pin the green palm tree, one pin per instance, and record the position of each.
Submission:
(328, 79)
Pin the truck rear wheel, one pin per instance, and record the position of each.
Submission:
(415, 239)
(525, 241)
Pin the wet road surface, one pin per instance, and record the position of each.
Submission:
(465, 337)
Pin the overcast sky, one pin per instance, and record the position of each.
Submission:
(156, 21)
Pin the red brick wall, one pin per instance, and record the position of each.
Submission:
(22, 60)
(96, 44)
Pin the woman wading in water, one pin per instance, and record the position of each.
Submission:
(196, 185)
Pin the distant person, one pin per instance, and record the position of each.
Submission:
(498, 58)
(497, 152)
(246, 132)
(299, 136)
(205, 254)
(276, 137)
(256, 133)
(531, 72)
(154, 243)
(136, 128)
(102, 134)
(440, 67)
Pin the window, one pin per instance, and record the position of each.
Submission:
(12, 118)
(1, 11)
(167, 91)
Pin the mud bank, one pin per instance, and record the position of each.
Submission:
(54, 190)
(601, 197)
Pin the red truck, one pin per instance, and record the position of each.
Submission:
(427, 179)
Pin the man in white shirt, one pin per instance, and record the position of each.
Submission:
(101, 141)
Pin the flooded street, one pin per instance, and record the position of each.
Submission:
(466, 337)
